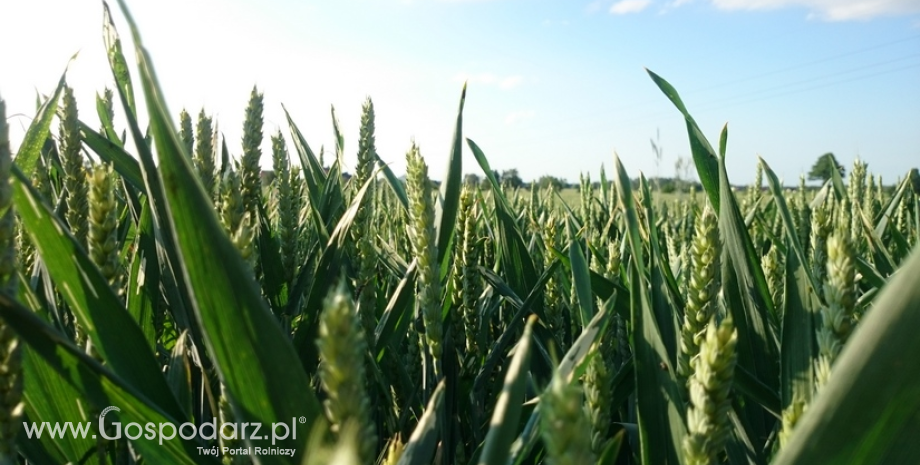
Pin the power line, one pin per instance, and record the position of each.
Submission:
(820, 77)
(632, 121)
(809, 63)
(744, 79)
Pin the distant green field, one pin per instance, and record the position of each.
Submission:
(572, 197)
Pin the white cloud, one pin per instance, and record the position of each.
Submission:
(511, 81)
(830, 10)
(629, 6)
(676, 4)
(673, 5)
(594, 6)
(518, 116)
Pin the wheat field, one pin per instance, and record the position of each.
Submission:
(384, 321)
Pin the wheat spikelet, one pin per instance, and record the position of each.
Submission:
(75, 189)
(466, 275)
(285, 215)
(250, 170)
(342, 346)
(703, 289)
(204, 157)
(103, 220)
(107, 107)
(837, 316)
(186, 136)
(565, 429)
(708, 426)
(425, 248)
(362, 229)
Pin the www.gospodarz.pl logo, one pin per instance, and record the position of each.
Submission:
(208, 431)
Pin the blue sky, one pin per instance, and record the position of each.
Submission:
(554, 87)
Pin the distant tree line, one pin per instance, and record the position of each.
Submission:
(511, 178)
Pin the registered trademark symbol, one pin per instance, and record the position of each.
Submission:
(303, 419)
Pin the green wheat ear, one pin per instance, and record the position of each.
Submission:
(75, 189)
(565, 428)
(185, 132)
(703, 288)
(598, 383)
(552, 295)
(204, 157)
(103, 221)
(838, 316)
(363, 227)
(466, 275)
(774, 270)
(250, 170)
(342, 371)
(425, 248)
(793, 413)
(283, 207)
(708, 426)
(107, 106)
(236, 220)
(11, 405)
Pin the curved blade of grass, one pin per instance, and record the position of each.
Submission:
(31, 147)
(882, 259)
(332, 201)
(424, 440)
(570, 368)
(99, 385)
(126, 165)
(50, 400)
(745, 383)
(792, 236)
(42, 450)
(301, 281)
(328, 270)
(704, 157)
(446, 215)
(315, 175)
(108, 128)
(339, 138)
(398, 313)
(837, 182)
(505, 418)
(117, 61)
(394, 182)
(580, 275)
(496, 352)
(799, 347)
(179, 373)
(143, 293)
(659, 408)
(251, 353)
(501, 287)
(664, 286)
(872, 401)
(113, 332)
(746, 294)
(739, 448)
(516, 259)
(174, 282)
